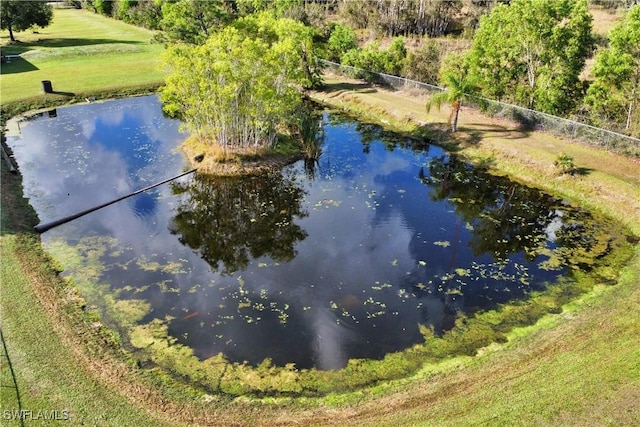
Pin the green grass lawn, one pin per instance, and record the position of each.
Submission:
(79, 52)
(48, 372)
(576, 368)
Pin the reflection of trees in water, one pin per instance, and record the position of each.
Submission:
(311, 135)
(582, 240)
(229, 219)
(505, 219)
(370, 133)
(508, 218)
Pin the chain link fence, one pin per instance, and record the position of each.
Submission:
(528, 119)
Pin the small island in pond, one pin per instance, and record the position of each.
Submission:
(241, 95)
(208, 160)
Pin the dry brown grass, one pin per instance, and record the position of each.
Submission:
(221, 163)
(604, 20)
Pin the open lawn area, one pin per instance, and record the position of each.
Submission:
(79, 52)
(580, 367)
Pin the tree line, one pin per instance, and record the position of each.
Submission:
(527, 52)
(530, 53)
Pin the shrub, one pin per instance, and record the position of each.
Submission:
(374, 59)
(423, 64)
(341, 40)
(565, 163)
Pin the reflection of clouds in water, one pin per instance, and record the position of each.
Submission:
(328, 340)
(354, 252)
(382, 164)
(344, 254)
(66, 172)
(352, 280)
(338, 263)
(352, 246)
(52, 171)
(555, 225)
(83, 167)
(113, 113)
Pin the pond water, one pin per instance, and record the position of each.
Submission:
(312, 265)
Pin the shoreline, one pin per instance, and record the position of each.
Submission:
(447, 375)
(238, 167)
(205, 158)
(610, 184)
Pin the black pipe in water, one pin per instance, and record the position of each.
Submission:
(41, 228)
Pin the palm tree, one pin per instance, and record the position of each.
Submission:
(458, 87)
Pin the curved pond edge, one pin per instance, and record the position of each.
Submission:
(204, 159)
(88, 328)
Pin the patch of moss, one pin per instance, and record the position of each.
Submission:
(130, 312)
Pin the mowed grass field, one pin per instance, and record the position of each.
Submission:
(79, 52)
(576, 368)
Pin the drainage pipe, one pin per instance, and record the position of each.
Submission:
(41, 228)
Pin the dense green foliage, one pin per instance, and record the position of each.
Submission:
(103, 7)
(532, 53)
(526, 52)
(372, 58)
(341, 40)
(19, 15)
(193, 21)
(615, 93)
(239, 87)
(423, 64)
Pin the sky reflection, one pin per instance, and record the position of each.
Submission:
(311, 270)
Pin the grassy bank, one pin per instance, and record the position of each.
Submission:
(47, 361)
(578, 367)
(79, 52)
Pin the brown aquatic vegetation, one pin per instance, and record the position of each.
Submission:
(209, 159)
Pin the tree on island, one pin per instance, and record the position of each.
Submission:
(21, 15)
(243, 85)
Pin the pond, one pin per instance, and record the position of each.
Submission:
(312, 265)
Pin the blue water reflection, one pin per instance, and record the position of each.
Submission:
(305, 268)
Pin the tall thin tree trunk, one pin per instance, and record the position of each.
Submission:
(11, 37)
(455, 109)
(630, 112)
(455, 119)
(454, 128)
